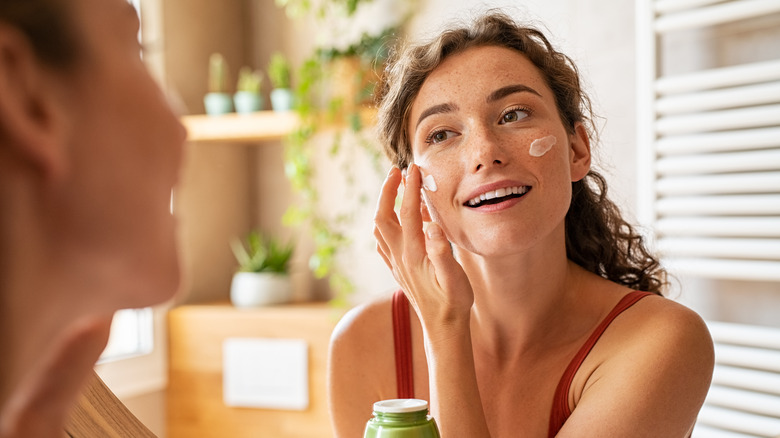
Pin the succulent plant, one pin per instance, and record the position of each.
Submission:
(262, 254)
(217, 73)
(279, 71)
(249, 80)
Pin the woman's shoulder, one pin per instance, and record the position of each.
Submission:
(364, 335)
(366, 321)
(667, 317)
(658, 332)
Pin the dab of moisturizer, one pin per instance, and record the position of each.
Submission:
(540, 146)
(429, 183)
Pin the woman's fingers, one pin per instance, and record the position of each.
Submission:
(381, 247)
(411, 217)
(386, 222)
(449, 273)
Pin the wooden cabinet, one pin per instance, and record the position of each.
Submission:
(195, 403)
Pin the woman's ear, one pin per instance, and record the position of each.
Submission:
(32, 123)
(579, 153)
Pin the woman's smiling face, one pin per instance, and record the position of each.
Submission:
(472, 127)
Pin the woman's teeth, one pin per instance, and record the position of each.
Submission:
(496, 194)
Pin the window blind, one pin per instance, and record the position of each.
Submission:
(709, 140)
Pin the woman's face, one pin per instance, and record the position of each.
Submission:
(125, 150)
(485, 124)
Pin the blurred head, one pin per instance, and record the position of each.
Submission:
(96, 139)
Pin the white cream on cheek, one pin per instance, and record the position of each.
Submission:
(429, 183)
(541, 146)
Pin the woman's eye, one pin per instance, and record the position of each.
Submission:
(439, 136)
(514, 115)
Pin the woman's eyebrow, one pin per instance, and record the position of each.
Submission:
(510, 89)
(436, 109)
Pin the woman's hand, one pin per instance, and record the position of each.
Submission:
(422, 263)
(441, 294)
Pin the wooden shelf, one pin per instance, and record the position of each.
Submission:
(255, 127)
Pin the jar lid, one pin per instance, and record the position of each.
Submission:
(400, 405)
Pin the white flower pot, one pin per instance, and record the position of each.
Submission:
(252, 289)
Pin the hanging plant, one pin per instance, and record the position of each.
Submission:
(321, 105)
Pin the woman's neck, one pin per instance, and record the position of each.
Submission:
(521, 300)
(48, 297)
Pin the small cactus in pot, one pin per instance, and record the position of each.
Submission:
(218, 101)
(248, 98)
(279, 72)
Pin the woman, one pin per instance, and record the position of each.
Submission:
(527, 318)
(89, 153)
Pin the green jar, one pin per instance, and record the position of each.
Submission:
(401, 418)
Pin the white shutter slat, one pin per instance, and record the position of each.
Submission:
(716, 14)
(748, 357)
(757, 182)
(754, 380)
(719, 226)
(761, 94)
(719, 163)
(762, 249)
(723, 141)
(704, 431)
(743, 205)
(753, 402)
(739, 421)
(726, 269)
(732, 76)
(746, 335)
(751, 117)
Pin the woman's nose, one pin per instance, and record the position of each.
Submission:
(486, 150)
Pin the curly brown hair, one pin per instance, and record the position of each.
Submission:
(597, 236)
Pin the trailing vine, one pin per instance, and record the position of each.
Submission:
(320, 111)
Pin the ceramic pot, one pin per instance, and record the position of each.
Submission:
(253, 289)
(247, 102)
(218, 103)
(282, 99)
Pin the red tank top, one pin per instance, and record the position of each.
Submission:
(560, 412)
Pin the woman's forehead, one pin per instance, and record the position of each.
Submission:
(475, 73)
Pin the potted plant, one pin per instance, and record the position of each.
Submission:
(247, 98)
(280, 76)
(263, 274)
(217, 101)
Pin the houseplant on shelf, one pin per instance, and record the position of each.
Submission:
(279, 72)
(218, 101)
(263, 274)
(248, 98)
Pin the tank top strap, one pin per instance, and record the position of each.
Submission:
(560, 409)
(402, 338)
